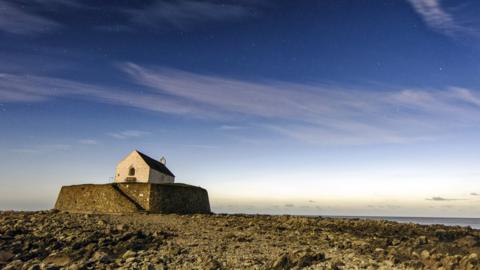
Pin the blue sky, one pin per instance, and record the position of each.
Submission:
(312, 107)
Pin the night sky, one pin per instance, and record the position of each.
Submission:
(304, 107)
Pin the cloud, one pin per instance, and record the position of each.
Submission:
(384, 206)
(128, 134)
(441, 199)
(289, 205)
(30, 17)
(17, 20)
(88, 142)
(475, 194)
(320, 113)
(186, 13)
(313, 113)
(55, 4)
(230, 127)
(271, 99)
(27, 89)
(439, 19)
(200, 146)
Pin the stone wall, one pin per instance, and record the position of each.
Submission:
(139, 192)
(179, 199)
(94, 199)
(133, 197)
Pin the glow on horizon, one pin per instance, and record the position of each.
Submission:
(408, 194)
(380, 195)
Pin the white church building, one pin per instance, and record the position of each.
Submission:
(138, 167)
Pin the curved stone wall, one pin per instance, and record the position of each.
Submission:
(91, 198)
(179, 199)
(133, 197)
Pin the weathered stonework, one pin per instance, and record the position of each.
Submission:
(133, 197)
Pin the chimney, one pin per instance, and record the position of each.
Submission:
(163, 160)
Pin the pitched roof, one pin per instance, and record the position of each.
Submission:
(155, 164)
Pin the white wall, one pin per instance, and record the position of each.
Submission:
(134, 160)
(143, 173)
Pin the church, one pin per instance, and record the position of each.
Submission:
(138, 167)
(142, 185)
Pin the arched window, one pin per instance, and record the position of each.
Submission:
(131, 171)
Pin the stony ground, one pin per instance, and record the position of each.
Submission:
(54, 240)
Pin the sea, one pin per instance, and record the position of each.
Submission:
(474, 223)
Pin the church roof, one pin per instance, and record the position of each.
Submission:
(155, 164)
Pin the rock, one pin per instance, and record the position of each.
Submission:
(299, 258)
(467, 241)
(130, 259)
(121, 227)
(34, 267)
(335, 265)
(75, 266)
(305, 260)
(6, 256)
(415, 264)
(100, 256)
(57, 260)
(425, 255)
(415, 255)
(282, 262)
(308, 258)
(422, 240)
(101, 223)
(148, 266)
(212, 264)
(396, 242)
(444, 235)
(90, 247)
(388, 263)
(473, 258)
(380, 251)
(129, 254)
(249, 242)
(14, 265)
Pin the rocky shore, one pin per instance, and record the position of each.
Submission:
(56, 240)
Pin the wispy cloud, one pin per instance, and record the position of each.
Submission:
(475, 194)
(200, 146)
(30, 17)
(186, 13)
(313, 113)
(55, 4)
(231, 127)
(321, 113)
(436, 16)
(17, 20)
(128, 134)
(88, 141)
(442, 199)
(24, 88)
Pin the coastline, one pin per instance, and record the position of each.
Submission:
(472, 222)
(36, 240)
